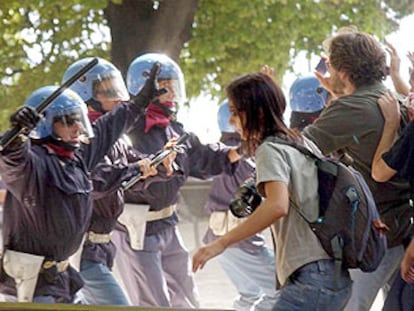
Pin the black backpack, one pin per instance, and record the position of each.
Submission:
(349, 226)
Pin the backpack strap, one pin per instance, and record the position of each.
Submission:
(331, 168)
(305, 151)
(325, 166)
(301, 148)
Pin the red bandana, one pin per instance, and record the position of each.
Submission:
(94, 115)
(60, 151)
(156, 116)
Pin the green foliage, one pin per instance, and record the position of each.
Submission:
(41, 38)
(39, 41)
(236, 37)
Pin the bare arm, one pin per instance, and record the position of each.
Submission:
(274, 207)
(407, 264)
(400, 85)
(2, 196)
(390, 109)
(410, 56)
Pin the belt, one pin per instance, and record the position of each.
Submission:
(161, 214)
(98, 238)
(220, 222)
(60, 265)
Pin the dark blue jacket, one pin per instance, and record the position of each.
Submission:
(49, 200)
(199, 160)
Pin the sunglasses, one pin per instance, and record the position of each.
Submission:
(68, 119)
(108, 93)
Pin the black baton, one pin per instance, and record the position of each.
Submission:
(12, 133)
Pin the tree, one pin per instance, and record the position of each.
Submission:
(143, 26)
(36, 49)
(241, 36)
(214, 40)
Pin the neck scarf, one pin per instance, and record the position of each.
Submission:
(94, 115)
(60, 151)
(156, 116)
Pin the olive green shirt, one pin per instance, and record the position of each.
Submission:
(354, 124)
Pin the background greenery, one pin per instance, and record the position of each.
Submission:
(227, 37)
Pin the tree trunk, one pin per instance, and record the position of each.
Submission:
(137, 27)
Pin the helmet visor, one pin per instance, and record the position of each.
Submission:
(75, 117)
(110, 86)
(176, 91)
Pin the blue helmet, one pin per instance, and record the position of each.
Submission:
(223, 117)
(307, 95)
(68, 106)
(104, 78)
(141, 66)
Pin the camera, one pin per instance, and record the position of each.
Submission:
(246, 199)
(322, 66)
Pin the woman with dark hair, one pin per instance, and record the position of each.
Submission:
(288, 181)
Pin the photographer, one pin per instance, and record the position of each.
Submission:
(249, 264)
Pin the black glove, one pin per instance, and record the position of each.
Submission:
(150, 91)
(26, 118)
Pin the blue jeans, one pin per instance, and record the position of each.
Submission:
(100, 287)
(401, 295)
(253, 275)
(315, 286)
(366, 285)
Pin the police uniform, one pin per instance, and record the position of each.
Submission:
(49, 204)
(154, 265)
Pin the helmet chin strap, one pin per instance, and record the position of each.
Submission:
(69, 146)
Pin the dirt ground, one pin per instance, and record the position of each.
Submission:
(215, 289)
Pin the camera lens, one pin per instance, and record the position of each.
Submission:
(239, 208)
(247, 199)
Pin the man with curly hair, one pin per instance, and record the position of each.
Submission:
(353, 123)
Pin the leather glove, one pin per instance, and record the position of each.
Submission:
(149, 91)
(26, 118)
(15, 144)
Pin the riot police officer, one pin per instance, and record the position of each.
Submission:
(103, 89)
(307, 99)
(49, 202)
(151, 257)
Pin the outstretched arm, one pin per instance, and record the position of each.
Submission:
(410, 56)
(400, 85)
(274, 207)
